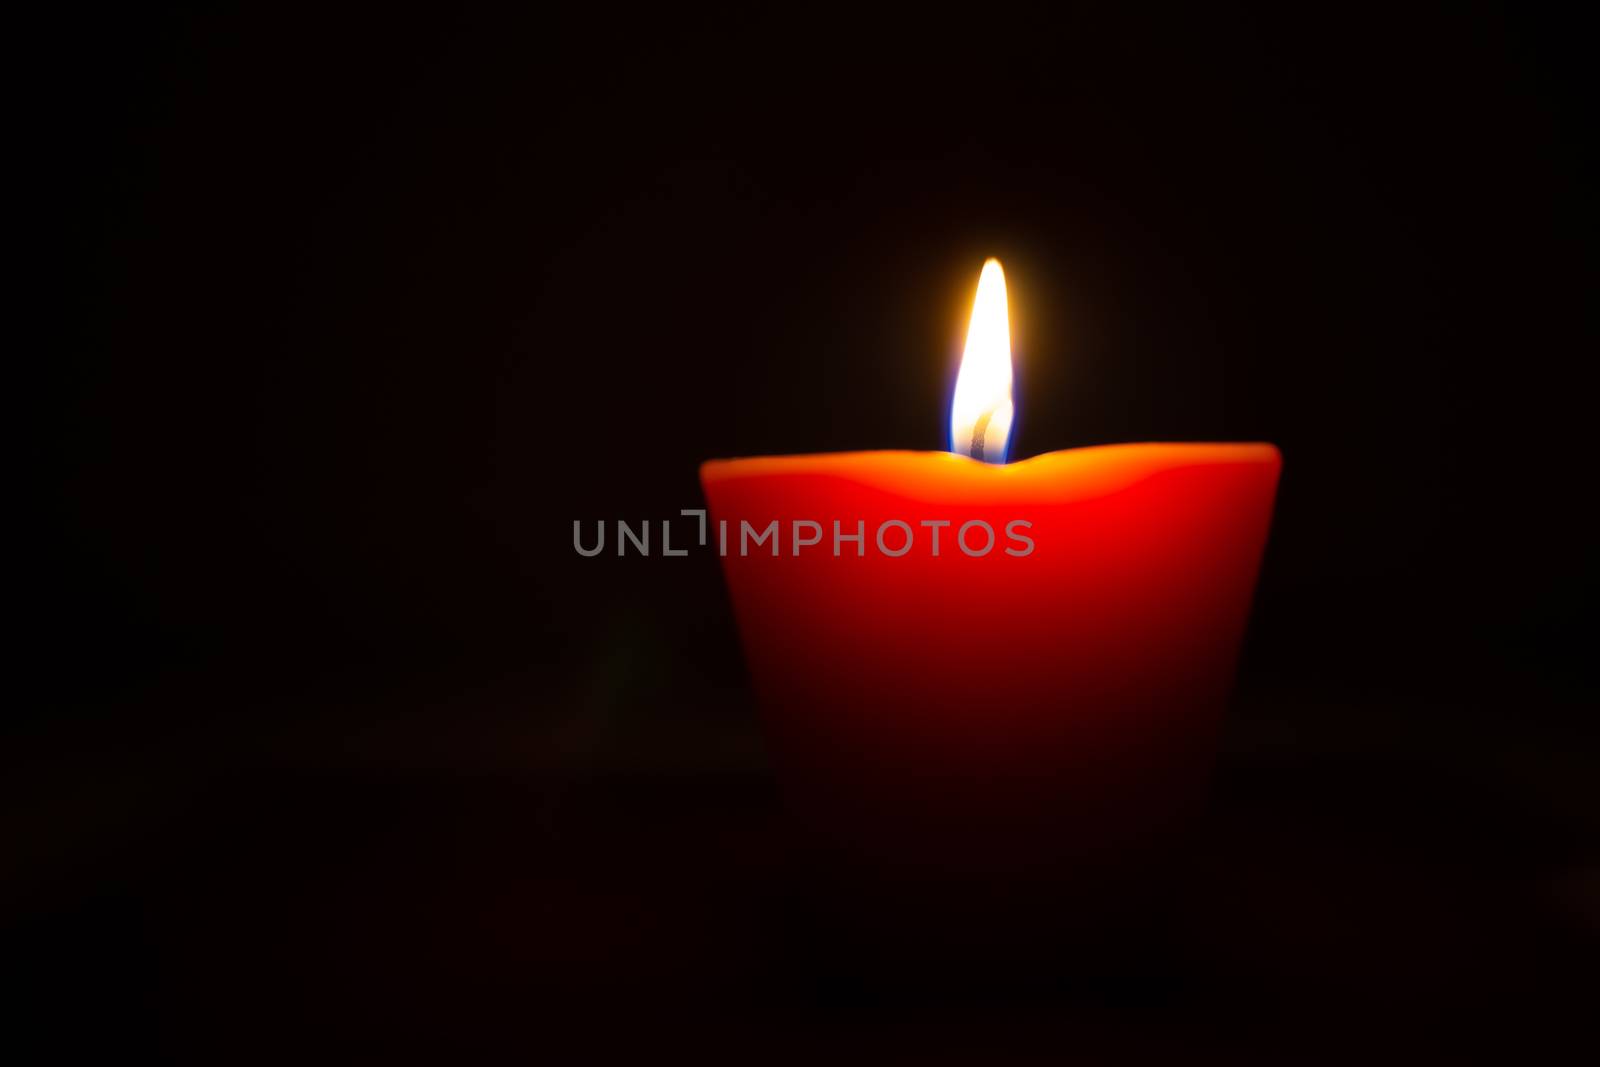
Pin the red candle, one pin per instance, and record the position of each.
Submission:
(992, 691)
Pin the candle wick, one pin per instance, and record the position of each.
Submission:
(979, 428)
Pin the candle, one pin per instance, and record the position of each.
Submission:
(992, 690)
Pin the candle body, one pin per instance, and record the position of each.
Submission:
(993, 731)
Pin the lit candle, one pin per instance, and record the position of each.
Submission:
(993, 690)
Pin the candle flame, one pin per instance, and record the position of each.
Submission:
(980, 414)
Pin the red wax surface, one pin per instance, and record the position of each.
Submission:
(976, 724)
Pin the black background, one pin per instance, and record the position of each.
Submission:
(349, 317)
